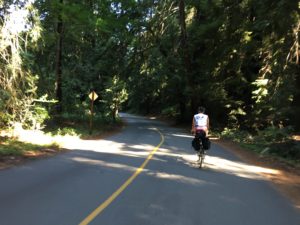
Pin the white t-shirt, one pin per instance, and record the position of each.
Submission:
(200, 120)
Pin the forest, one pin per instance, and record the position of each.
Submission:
(237, 58)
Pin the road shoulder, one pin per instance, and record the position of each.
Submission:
(287, 181)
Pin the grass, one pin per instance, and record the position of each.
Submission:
(13, 147)
(40, 142)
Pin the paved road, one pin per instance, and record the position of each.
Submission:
(68, 188)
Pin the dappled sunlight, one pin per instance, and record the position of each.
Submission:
(213, 138)
(142, 151)
(110, 147)
(181, 135)
(33, 136)
(238, 168)
(40, 138)
(98, 162)
(175, 154)
(144, 147)
(103, 146)
(131, 169)
(179, 178)
(75, 143)
(222, 165)
(190, 136)
(189, 157)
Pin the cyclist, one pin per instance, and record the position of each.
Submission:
(200, 123)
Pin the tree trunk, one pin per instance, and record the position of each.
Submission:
(58, 69)
(186, 61)
(183, 38)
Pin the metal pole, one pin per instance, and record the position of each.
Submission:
(92, 113)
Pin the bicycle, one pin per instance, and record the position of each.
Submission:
(197, 143)
(201, 156)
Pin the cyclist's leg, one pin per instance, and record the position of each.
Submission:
(201, 157)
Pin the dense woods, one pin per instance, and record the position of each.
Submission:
(238, 58)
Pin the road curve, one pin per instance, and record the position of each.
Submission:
(167, 189)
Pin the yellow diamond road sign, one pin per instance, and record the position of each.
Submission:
(93, 96)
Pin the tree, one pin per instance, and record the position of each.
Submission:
(17, 83)
(58, 64)
(114, 95)
(238, 58)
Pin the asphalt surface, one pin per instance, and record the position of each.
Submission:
(170, 190)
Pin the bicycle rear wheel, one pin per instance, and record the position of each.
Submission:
(201, 158)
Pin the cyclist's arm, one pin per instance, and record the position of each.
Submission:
(193, 126)
(207, 125)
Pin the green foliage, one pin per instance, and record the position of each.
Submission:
(237, 135)
(79, 125)
(67, 131)
(240, 59)
(39, 116)
(272, 141)
(170, 112)
(18, 82)
(287, 150)
(4, 117)
(114, 95)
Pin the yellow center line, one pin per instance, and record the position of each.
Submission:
(108, 201)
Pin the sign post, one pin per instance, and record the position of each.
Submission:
(93, 96)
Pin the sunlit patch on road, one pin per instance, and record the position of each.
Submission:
(98, 162)
(142, 150)
(232, 167)
(181, 135)
(237, 168)
(222, 165)
(179, 178)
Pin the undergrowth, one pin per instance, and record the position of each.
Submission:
(272, 141)
(75, 125)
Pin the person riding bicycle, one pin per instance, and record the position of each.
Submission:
(200, 124)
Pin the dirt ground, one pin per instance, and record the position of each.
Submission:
(10, 161)
(287, 180)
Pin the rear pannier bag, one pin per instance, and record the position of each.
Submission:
(196, 144)
(206, 143)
